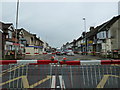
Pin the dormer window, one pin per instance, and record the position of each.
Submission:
(10, 34)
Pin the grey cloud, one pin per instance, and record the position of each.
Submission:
(58, 23)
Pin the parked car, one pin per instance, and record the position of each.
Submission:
(69, 52)
(76, 52)
(65, 52)
(59, 52)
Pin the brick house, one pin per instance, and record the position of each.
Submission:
(10, 43)
(33, 44)
(7, 35)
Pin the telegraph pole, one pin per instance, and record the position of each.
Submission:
(16, 28)
(85, 36)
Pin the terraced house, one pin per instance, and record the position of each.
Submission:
(9, 41)
(102, 40)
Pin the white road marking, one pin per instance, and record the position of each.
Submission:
(56, 65)
(53, 81)
(62, 84)
(58, 86)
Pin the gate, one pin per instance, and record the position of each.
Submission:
(60, 74)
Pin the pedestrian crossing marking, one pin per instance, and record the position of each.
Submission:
(104, 80)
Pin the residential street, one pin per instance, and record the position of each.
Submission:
(59, 44)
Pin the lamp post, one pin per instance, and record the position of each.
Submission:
(85, 36)
(16, 28)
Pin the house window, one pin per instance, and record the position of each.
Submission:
(109, 34)
(13, 47)
(103, 35)
(8, 47)
(6, 36)
(10, 34)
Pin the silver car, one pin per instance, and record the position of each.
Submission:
(70, 53)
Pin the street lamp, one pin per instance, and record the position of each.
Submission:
(85, 36)
(16, 28)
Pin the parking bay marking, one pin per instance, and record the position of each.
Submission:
(104, 80)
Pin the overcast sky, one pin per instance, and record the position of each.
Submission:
(59, 22)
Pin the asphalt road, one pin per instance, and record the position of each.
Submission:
(60, 57)
(57, 76)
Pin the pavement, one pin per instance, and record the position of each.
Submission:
(60, 76)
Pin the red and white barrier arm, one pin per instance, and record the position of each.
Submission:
(45, 53)
(27, 53)
(31, 62)
(91, 52)
(36, 53)
(90, 62)
(82, 62)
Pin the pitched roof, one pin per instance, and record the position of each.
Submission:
(94, 31)
(103, 27)
(109, 23)
(4, 26)
(80, 38)
(24, 30)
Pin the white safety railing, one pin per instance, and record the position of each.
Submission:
(60, 74)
